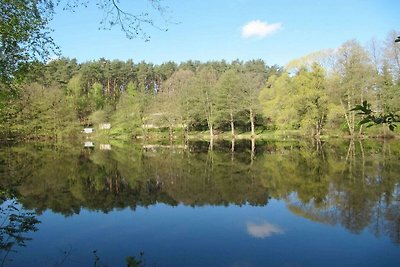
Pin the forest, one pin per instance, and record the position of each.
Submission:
(312, 96)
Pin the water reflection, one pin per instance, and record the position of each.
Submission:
(263, 230)
(15, 226)
(355, 185)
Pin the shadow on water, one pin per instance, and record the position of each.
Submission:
(354, 184)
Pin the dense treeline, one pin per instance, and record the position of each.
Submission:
(317, 92)
(313, 95)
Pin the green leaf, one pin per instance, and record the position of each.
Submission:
(365, 120)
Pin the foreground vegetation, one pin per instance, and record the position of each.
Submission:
(313, 96)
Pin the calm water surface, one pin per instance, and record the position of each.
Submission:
(263, 204)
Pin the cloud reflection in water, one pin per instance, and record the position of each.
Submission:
(263, 229)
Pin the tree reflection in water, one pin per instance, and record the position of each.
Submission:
(354, 184)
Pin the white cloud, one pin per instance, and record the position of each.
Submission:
(260, 29)
(263, 230)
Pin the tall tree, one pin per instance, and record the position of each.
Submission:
(202, 99)
(127, 118)
(354, 80)
(278, 103)
(298, 101)
(228, 97)
(311, 99)
(392, 54)
(253, 83)
(178, 88)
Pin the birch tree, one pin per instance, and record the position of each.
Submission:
(354, 72)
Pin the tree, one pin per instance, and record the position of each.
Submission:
(175, 96)
(392, 54)
(311, 100)
(24, 36)
(277, 104)
(253, 83)
(25, 33)
(25, 40)
(202, 100)
(165, 109)
(58, 72)
(387, 88)
(96, 96)
(298, 101)
(42, 113)
(165, 70)
(354, 80)
(229, 95)
(126, 119)
(389, 91)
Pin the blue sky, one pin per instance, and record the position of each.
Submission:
(277, 31)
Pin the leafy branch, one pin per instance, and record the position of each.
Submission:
(372, 118)
(14, 225)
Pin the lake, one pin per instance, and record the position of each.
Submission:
(297, 203)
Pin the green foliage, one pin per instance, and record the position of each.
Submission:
(96, 94)
(202, 98)
(24, 36)
(298, 101)
(229, 97)
(56, 73)
(354, 80)
(40, 113)
(126, 119)
(277, 105)
(371, 118)
(314, 95)
(313, 98)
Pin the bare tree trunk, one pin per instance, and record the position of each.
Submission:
(253, 132)
(210, 126)
(348, 117)
(208, 110)
(187, 121)
(318, 127)
(362, 100)
(232, 124)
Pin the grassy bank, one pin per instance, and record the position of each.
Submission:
(164, 137)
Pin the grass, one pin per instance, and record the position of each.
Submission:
(163, 136)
